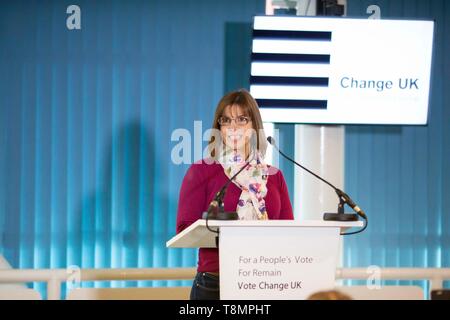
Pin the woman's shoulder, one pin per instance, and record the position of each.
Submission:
(203, 166)
(205, 163)
(274, 171)
(275, 174)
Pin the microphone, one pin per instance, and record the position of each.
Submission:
(215, 210)
(343, 197)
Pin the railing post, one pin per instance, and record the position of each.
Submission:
(54, 289)
(436, 283)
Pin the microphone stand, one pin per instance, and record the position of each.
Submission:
(216, 210)
(343, 198)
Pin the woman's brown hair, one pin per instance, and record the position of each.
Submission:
(243, 99)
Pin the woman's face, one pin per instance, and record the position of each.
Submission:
(235, 127)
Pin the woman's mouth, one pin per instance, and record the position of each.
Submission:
(234, 137)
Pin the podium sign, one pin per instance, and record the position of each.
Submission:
(276, 262)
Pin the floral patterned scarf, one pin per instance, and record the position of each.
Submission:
(252, 181)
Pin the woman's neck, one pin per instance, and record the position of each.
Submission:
(244, 151)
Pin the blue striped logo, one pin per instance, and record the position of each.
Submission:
(290, 68)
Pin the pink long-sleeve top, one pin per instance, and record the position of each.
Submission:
(201, 183)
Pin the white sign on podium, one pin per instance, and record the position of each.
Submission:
(274, 259)
(282, 263)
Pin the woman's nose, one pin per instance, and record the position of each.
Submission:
(233, 129)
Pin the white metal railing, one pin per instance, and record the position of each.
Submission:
(54, 277)
(435, 276)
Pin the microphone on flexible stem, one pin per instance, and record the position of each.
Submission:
(343, 197)
(216, 209)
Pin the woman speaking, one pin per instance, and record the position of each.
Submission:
(259, 192)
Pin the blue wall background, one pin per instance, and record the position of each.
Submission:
(401, 174)
(86, 122)
(86, 118)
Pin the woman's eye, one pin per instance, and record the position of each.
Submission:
(224, 120)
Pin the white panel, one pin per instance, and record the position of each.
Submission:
(320, 149)
(291, 46)
(288, 92)
(268, 263)
(374, 79)
(289, 69)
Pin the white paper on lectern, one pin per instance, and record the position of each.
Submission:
(269, 281)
